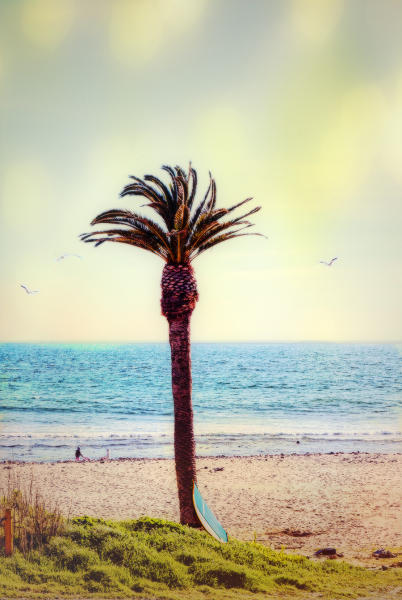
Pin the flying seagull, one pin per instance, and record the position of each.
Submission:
(67, 255)
(28, 291)
(329, 264)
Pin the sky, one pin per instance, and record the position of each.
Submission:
(296, 103)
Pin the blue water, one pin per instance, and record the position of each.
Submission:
(248, 399)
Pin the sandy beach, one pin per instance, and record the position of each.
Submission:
(302, 502)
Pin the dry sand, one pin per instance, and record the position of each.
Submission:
(303, 502)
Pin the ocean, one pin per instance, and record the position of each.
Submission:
(248, 398)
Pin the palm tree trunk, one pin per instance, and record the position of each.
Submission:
(184, 444)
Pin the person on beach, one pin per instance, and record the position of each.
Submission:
(79, 456)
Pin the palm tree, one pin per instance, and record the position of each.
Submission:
(185, 230)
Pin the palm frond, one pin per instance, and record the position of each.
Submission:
(125, 237)
(180, 172)
(166, 194)
(182, 190)
(212, 202)
(156, 200)
(207, 225)
(212, 229)
(187, 228)
(181, 217)
(133, 220)
(200, 209)
(223, 238)
(238, 204)
(173, 185)
(207, 232)
(192, 175)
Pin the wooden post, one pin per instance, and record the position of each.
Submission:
(8, 533)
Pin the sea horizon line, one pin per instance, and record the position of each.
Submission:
(194, 342)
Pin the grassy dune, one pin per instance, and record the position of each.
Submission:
(151, 558)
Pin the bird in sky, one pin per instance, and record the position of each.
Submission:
(330, 263)
(28, 291)
(67, 255)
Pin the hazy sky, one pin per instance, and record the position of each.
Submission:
(297, 103)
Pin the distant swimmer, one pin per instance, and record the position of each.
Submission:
(63, 256)
(330, 263)
(28, 291)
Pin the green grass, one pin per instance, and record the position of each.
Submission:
(151, 558)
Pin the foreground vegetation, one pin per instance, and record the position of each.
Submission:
(151, 558)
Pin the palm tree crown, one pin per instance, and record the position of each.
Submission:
(188, 228)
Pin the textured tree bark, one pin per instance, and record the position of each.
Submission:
(184, 443)
(179, 297)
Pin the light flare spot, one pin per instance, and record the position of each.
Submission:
(139, 30)
(346, 148)
(318, 172)
(46, 23)
(315, 20)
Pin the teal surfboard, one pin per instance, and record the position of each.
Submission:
(207, 517)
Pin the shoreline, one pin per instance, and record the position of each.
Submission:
(201, 457)
(302, 502)
(39, 447)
